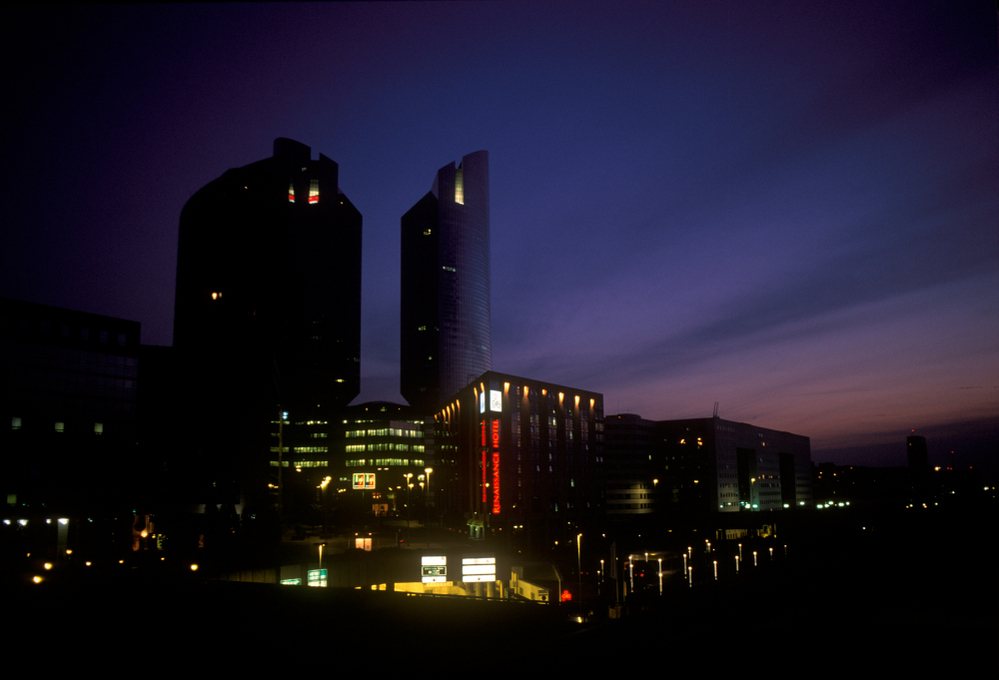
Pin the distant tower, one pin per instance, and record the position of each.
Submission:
(268, 306)
(918, 459)
(919, 468)
(446, 336)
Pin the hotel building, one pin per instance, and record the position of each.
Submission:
(518, 459)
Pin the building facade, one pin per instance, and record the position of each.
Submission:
(268, 303)
(446, 336)
(715, 465)
(68, 389)
(629, 474)
(518, 459)
(380, 463)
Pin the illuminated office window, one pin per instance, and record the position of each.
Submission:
(459, 187)
(291, 193)
(313, 191)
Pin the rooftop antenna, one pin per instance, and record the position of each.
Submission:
(715, 415)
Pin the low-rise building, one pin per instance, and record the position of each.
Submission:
(710, 464)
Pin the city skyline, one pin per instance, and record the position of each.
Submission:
(787, 210)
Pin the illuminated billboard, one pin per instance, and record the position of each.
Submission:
(433, 568)
(316, 578)
(364, 480)
(475, 569)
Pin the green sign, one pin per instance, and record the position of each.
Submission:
(317, 578)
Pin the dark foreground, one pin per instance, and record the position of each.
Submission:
(884, 602)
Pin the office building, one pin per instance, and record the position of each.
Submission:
(518, 459)
(446, 337)
(628, 471)
(380, 464)
(68, 395)
(268, 305)
(710, 464)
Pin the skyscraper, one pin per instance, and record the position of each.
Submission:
(268, 307)
(446, 332)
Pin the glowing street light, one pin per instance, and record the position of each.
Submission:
(579, 571)
(409, 485)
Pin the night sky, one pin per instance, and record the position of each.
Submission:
(788, 208)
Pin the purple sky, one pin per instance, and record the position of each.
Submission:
(789, 208)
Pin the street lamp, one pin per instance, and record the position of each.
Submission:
(579, 572)
(409, 485)
(429, 488)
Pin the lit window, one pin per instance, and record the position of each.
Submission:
(60, 427)
(459, 187)
(15, 422)
(291, 193)
(313, 191)
(98, 428)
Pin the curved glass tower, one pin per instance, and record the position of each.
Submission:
(446, 334)
(268, 306)
(269, 266)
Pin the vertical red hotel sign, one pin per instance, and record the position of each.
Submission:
(485, 467)
(491, 445)
(496, 467)
(491, 460)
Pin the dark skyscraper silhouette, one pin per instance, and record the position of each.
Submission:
(446, 332)
(268, 306)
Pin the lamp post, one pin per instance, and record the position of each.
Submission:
(579, 573)
(409, 485)
(428, 471)
(322, 493)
